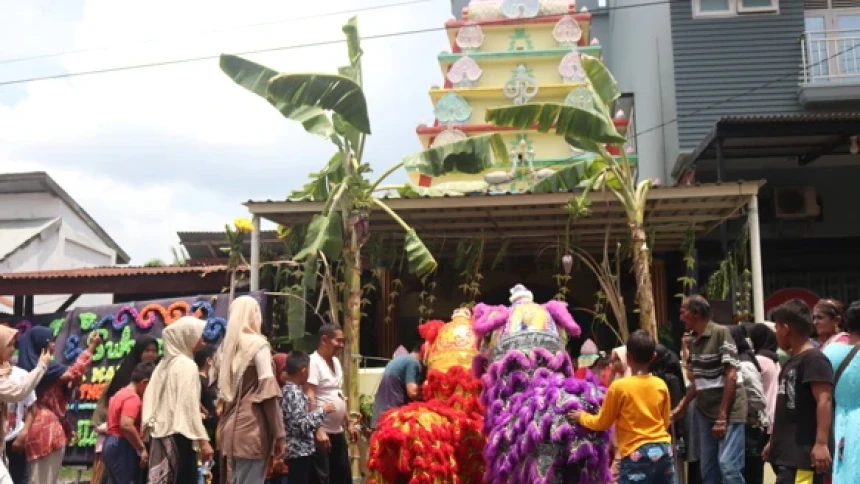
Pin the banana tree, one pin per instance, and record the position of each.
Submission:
(334, 107)
(587, 125)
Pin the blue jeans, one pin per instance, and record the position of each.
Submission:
(720, 460)
(649, 464)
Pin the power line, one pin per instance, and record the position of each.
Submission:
(747, 92)
(225, 29)
(291, 47)
(423, 31)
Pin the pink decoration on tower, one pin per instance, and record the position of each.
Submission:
(567, 31)
(570, 68)
(465, 72)
(470, 37)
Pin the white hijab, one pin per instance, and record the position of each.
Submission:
(171, 403)
(243, 341)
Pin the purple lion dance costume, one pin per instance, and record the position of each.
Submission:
(529, 385)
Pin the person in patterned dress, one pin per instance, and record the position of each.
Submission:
(49, 432)
(300, 423)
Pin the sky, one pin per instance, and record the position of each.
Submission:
(149, 152)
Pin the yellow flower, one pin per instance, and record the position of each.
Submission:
(243, 225)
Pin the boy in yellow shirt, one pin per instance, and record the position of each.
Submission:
(639, 407)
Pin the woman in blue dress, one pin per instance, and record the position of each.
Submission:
(846, 419)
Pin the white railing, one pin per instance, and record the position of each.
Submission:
(831, 56)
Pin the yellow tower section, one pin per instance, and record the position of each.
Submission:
(507, 52)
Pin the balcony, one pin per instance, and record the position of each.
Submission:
(831, 67)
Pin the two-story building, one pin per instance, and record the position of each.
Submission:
(769, 89)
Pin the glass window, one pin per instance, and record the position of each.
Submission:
(714, 6)
(757, 4)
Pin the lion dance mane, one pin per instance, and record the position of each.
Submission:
(437, 440)
(529, 385)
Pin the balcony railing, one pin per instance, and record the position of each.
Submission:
(831, 56)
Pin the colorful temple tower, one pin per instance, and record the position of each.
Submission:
(507, 52)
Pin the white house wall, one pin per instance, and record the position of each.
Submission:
(74, 245)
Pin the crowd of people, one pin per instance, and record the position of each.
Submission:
(734, 399)
(782, 393)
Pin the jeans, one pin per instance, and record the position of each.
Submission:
(649, 464)
(723, 457)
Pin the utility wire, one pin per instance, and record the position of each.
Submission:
(213, 31)
(423, 31)
(292, 47)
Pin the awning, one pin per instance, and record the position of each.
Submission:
(805, 137)
(525, 223)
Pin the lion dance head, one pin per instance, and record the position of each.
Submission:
(439, 439)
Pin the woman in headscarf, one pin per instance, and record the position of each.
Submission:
(251, 430)
(277, 473)
(12, 391)
(617, 366)
(145, 350)
(171, 407)
(49, 431)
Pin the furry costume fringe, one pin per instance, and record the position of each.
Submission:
(526, 398)
(438, 441)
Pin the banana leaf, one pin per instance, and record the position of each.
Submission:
(566, 179)
(602, 81)
(353, 43)
(325, 234)
(487, 150)
(330, 92)
(255, 78)
(421, 261)
(570, 121)
(296, 311)
(319, 188)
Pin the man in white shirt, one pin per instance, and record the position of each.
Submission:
(325, 385)
(17, 422)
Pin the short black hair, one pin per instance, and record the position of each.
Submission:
(852, 317)
(641, 347)
(699, 306)
(297, 361)
(203, 354)
(329, 330)
(143, 371)
(796, 314)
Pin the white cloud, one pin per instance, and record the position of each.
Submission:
(180, 147)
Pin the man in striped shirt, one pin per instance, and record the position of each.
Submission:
(720, 411)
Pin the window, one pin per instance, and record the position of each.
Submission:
(732, 8)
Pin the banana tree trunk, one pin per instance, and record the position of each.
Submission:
(352, 333)
(644, 288)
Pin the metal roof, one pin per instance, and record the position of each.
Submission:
(526, 222)
(116, 280)
(17, 234)
(206, 246)
(804, 137)
(41, 182)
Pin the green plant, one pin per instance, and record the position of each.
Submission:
(334, 107)
(588, 125)
(469, 261)
(688, 280)
(733, 280)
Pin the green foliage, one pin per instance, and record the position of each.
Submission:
(469, 261)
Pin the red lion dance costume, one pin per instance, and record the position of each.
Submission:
(439, 440)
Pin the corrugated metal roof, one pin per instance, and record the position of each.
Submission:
(115, 271)
(15, 234)
(790, 118)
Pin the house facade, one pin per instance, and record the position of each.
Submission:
(769, 89)
(43, 228)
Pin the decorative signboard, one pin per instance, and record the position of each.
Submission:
(119, 325)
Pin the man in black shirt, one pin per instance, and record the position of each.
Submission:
(208, 396)
(798, 447)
